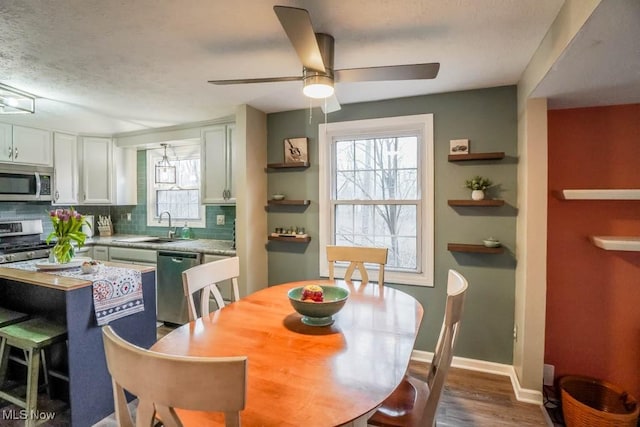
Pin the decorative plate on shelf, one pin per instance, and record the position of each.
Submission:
(45, 264)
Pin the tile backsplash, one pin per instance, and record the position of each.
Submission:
(137, 225)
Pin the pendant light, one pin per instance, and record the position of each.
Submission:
(165, 171)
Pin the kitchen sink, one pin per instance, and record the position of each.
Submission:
(151, 239)
(167, 239)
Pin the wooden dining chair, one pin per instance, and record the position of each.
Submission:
(415, 402)
(357, 256)
(164, 382)
(204, 278)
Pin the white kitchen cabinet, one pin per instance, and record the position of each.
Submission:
(23, 145)
(85, 251)
(97, 168)
(133, 256)
(6, 142)
(217, 163)
(65, 164)
(108, 173)
(101, 253)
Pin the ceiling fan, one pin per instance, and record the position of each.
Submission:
(315, 51)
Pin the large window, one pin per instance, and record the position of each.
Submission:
(182, 199)
(376, 189)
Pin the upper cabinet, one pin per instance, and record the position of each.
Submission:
(65, 163)
(108, 173)
(217, 161)
(25, 145)
(97, 166)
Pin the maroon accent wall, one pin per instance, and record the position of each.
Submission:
(593, 295)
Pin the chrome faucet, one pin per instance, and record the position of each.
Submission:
(171, 233)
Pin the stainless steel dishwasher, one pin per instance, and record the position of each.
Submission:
(172, 304)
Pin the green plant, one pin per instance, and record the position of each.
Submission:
(67, 226)
(478, 183)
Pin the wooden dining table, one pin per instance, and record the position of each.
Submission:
(300, 375)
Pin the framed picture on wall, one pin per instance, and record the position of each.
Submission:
(459, 146)
(296, 150)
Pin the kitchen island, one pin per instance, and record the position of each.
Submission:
(70, 301)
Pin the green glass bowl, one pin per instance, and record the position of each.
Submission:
(319, 313)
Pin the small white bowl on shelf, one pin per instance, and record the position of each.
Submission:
(278, 197)
(491, 243)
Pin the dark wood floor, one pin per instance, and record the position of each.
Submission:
(478, 399)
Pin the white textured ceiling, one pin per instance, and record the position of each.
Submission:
(111, 66)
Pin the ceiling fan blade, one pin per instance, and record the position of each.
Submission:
(392, 72)
(258, 80)
(330, 104)
(297, 24)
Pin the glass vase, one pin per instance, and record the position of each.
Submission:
(63, 250)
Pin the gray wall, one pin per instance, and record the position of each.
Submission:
(486, 117)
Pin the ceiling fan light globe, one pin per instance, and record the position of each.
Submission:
(318, 86)
(318, 91)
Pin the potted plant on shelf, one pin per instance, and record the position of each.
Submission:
(478, 185)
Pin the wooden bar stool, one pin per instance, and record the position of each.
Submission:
(32, 336)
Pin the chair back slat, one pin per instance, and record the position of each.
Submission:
(164, 382)
(205, 279)
(357, 256)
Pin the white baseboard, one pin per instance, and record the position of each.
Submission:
(522, 394)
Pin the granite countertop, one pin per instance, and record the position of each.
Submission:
(204, 246)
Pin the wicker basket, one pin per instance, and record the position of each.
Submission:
(588, 402)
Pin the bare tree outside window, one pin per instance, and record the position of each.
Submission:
(376, 196)
(182, 198)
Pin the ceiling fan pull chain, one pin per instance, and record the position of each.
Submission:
(310, 110)
(325, 111)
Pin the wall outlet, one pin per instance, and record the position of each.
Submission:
(220, 220)
(548, 373)
(515, 332)
(129, 216)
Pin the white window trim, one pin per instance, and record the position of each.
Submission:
(152, 220)
(423, 123)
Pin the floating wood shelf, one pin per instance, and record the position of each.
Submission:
(291, 239)
(476, 156)
(601, 194)
(617, 243)
(289, 202)
(480, 249)
(295, 165)
(486, 202)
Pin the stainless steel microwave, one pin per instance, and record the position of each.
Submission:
(25, 183)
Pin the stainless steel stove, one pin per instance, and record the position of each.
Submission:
(20, 240)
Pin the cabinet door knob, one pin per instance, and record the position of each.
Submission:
(10, 152)
(15, 153)
(56, 196)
